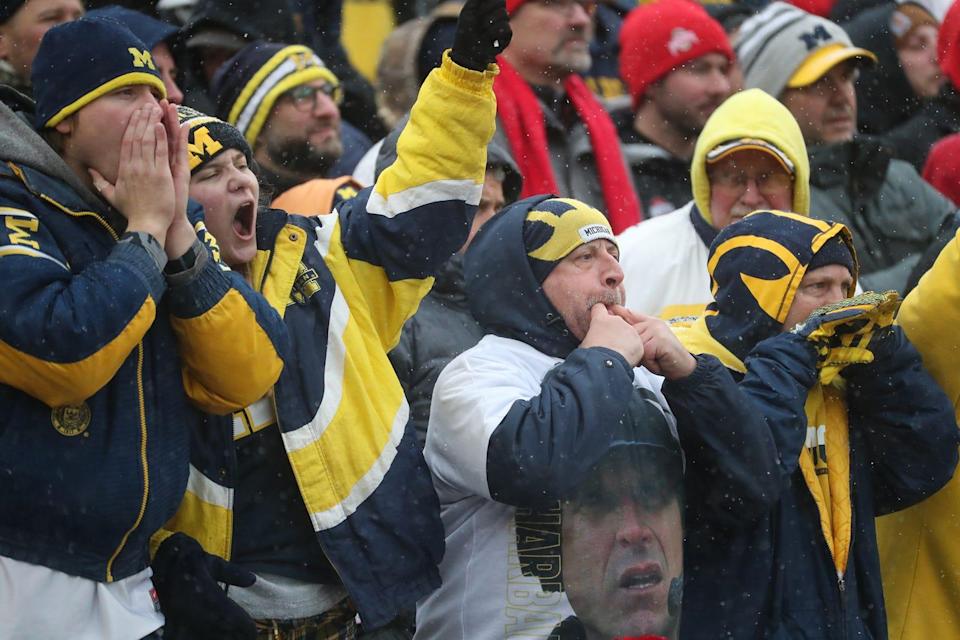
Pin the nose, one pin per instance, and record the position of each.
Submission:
(174, 94)
(632, 529)
(751, 195)
(325, 107)
(719, 82)
(612, 271)
(579, 16)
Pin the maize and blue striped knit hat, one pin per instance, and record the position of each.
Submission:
(246, 87)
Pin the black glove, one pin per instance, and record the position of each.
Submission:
(194, 605)
(483, 31)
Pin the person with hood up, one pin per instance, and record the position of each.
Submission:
(518, 420)
(861, 430)
(891, 95)
(750, 156)
(320, 489)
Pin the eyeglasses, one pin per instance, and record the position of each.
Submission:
(566, 6)
(773, 183)
(304, 97)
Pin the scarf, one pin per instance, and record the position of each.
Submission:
(523, 122)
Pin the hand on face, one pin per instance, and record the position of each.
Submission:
(614, 332)
(144, 192)
(662, 352)
(181, 234)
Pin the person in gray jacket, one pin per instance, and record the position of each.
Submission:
(810, 65)
(443, 326)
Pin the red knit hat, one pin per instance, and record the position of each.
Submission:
(658, 37)
(942, 168)
(513, 5)
(948, 45)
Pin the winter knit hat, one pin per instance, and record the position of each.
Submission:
(83, 60)
(785, 47)
(907, 18)
(834, 251)
(555, 227)
(246, 87)
(147, 28)
(942, 168)
(209, 136)
(658, 37)
(948, 45)
(8, 8)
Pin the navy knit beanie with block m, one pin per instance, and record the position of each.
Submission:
(83, 60)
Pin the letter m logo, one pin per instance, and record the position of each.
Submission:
(203, 145)
(819, 34)
(141, 59)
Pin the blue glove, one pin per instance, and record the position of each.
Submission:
(192, 601)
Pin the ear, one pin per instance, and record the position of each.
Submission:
(65, 126)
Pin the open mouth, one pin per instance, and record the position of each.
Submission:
(641, 577)
(243, 221)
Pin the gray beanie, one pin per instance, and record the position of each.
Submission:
(783, 46)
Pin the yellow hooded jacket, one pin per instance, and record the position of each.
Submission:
(920, 546)
(670, 251)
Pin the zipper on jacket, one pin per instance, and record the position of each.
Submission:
(77, 214)
(143, 463)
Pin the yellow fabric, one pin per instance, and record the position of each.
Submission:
(126, 80)
(576, 226)
(825, 464)
(751, 114)
(447, 159)
(286, 257)
(920, 546)
(822, 60)
(829, 482)
(229, 334)
(69, 383)
(209, 524)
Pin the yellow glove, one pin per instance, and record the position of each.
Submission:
(842, 331)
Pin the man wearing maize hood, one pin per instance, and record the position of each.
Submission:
(750, 155)
(327, 494)
(861, 429)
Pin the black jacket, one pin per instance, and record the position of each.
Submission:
(442, 329)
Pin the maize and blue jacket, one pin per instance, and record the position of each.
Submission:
(105, 369)
(882, 437)
(345, 283)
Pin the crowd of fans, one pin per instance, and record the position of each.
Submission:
(583, 319)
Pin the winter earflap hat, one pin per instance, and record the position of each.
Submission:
(555, 227)
(208, 137)
(83, 60)
(785, 47)
(248, 84)
(658, 37)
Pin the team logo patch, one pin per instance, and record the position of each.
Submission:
(593, 232)
(71, 420)
(681, 41)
